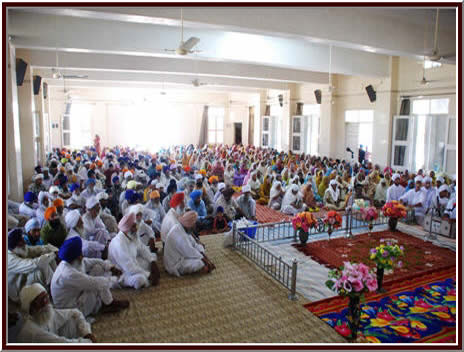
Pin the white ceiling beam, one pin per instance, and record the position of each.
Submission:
(47, 32)
(390, 31)
(87, 62)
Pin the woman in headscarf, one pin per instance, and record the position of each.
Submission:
(319, 175)
(332, 199)
(285, 177)
(229, 175)
(372, 180)
(292, 202)
(276, 195)
(308, 197)
(254, 185)
(323, 186)
(265, 190)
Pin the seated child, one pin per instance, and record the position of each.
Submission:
(220, 222)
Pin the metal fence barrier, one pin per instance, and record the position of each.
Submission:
(270, 263)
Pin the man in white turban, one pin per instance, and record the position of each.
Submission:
(246, 203)
(440, 201)
(181, 253)
(27, 264)
(144, 231)
(45, 324)
(395, 191)
(126, 251)
(94, 228)
(75, 226)
(415, 198)
(73, 287)
(429, 191)
(44, 203)
(105, 214)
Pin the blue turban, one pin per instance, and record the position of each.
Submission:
(115, 178)
(131, 196)
(196, 194)
(74, 186)
(14, 237)
(29, 197)
(219, 209)
(33, 223)
(90, 181)
(165, 168)
(70, 249)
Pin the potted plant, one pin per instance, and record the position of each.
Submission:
(394, 210)
(384, 257)
(302, 223)
(352, 280)
(333, 220)
(369, 214)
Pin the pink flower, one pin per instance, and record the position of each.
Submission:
(371, 284)
(399, 264)
(347, 286)
(363, 269)
(357, 285)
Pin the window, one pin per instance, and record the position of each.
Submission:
(312, 113)
(266, 130)
(358, 130)
(431, 64)
(276, 127)
(77, 125)
(216, 125)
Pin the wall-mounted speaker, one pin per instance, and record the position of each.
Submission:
(21, 66)
(405, 107)
(371, 93)
(36, 84)
(281, 100)
(318, 95)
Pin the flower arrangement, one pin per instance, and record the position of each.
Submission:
(333, 219)
(385, 255)
(304, 221)
(352, 279)
(369, 214)
(394, 209)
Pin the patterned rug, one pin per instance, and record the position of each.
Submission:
(236, 303)
(420, 257)
(412, 312)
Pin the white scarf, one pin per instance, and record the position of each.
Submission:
(334, 194)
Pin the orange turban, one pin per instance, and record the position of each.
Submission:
(92, 166)
(177, 199)
(159, 167)
(202, 172)
(49, 212)
(213, 178)
(78, 158)
(58, 202)
(99, 163)
(154, 194)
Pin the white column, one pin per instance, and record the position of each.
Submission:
(14, 162)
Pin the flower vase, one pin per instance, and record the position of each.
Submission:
(354, 319)
(329, 230)
(380, 289)
(370, 226)
(392, 222)
(303, 236)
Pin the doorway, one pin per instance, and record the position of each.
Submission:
(238, 133)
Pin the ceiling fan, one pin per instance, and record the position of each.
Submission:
(57, 74)
(425, 81)
(434, 54)
(185, 48)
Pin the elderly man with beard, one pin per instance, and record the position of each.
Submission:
(73, 287)
(415, 198)
(129, 254)
(94, 228)
(144, 231)
(37, 185)
(105, 213)
(28, 207)
(76, 201)
(246, 203)
(182, 254)
(27, 264)
(75, 226)
(177, 209)
(155, 212)
(32, 235)
(44, 203)
(53, 231)
(45, 324)
(440, 201)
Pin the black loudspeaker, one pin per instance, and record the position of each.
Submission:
(281, 100)
(371, 93)
(405, 107)
(36, 84)
(21, 66)
(45, 90)
(318, 95)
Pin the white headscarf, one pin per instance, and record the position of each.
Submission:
(289, 197)
(334, 194)
(274, 190)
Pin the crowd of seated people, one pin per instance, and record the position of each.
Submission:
(89, 222)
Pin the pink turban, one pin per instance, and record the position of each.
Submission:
(189, 219)
(126, 222)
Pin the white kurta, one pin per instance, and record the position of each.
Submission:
(155, 214)
(411, 198)
(37, 266)
(394, 192)
(90, 249)
(75, 199)
(87, 193)
(248, 206)
(168, 223)
(429, 195)
(181, 256)
(133, 258)
(72, 288)
(67, 326)
(95, 229)
(451, 208)
(27, 210)
(109, 220)
(145, 232)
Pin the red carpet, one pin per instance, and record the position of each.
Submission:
(266, 215)
(420, 257)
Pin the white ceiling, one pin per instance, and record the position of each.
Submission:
(241, 48)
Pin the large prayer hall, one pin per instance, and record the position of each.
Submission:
(234, 175)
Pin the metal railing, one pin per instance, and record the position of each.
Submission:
(270, 263)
